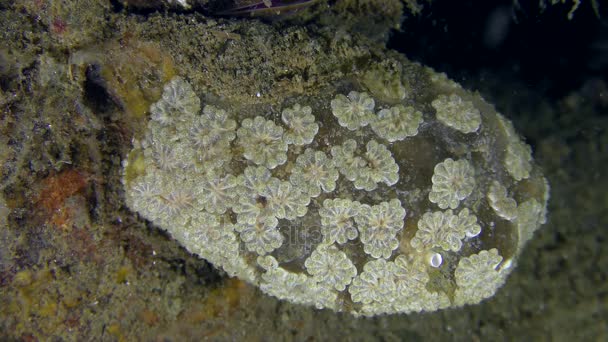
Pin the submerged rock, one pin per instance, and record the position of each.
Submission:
(343, 199)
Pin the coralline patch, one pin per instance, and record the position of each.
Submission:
(375, 284)
(354, 110)
(330, 267)
(262, 142)
(530, 215)
(518, 156)
(379, 167)
(167, 157)
(178, 97)
(216, 194)
(412, 294)
(445, 230)
(478, 276)
(254, 180)
(212, 134)
(301, 125)
(262, 236)
(397, 123)
(217, 239)
(314, 173)
(368, 169)
(453, 181)
(395, 286)
(517, 160)
(346, 161)
(378, 226)
(503, 205)
(295, 287)
(348, 209)
(338, 220)
(284, 200)
(454, 112)
(212, 128)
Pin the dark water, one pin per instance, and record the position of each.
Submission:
(542, 49)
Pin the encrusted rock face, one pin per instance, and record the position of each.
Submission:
(347, 200)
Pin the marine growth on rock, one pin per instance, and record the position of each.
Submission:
(341, 200)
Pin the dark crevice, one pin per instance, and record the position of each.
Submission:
(544, 51)
(95, 94)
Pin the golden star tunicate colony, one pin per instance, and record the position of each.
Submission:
(360, 199)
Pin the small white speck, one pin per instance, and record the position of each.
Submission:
(435, 260)
(472, 235)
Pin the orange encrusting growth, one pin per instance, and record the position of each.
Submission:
(55, 190)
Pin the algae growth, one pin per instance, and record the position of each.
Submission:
(235, 188)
